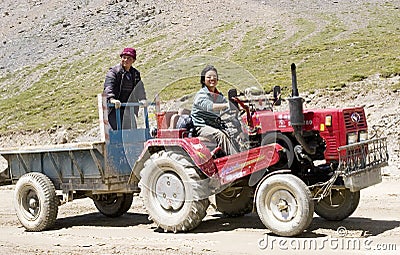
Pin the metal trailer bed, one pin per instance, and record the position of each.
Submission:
(100, 170)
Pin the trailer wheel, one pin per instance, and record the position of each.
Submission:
(235, 201)
(284, 204)
(339, 205)
(284, 141)
(112, 205)
(174, 191)
(36, 202)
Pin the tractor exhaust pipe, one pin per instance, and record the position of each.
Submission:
(296, 113)
(295, 91)
(295, 103)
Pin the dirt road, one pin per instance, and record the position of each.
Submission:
(374, 228)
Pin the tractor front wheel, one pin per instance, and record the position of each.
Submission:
(174, 191)
(339, 205)
(284, 204)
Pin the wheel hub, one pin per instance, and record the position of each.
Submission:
(170, 191)
(31, 204)
(283, 205)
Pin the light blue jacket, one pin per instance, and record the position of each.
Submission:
(202, 110)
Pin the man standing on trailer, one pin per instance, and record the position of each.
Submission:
(123, 84)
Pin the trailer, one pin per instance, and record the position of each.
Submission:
(48, 176)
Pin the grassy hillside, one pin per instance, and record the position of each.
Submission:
(63, 91)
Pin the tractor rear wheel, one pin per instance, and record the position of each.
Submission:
(339, 205)
(284, 204)
(112, 205)
(282, 140)
(174, 191)
(36, 202)
(235, 201)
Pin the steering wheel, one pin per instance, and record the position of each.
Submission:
(226, 111)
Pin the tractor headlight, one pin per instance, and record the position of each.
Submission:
(363, 136)
(352, 138)
(328, 120)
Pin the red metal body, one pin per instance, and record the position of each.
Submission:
(199, 153)
(233, 167)
(226, 169)
(334, 135)
(230, 168)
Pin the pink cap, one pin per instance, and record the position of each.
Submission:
(129, 52)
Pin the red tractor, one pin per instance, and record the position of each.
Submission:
(291, 164)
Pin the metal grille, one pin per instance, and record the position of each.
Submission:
(351, 124)
(363, 156)
(331, 149)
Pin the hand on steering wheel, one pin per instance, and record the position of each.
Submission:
(226, 110)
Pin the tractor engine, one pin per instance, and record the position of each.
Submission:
(311, 137)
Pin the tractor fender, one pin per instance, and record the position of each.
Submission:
(195, 149)
(283, 171)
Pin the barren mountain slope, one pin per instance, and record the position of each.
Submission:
(37, 36)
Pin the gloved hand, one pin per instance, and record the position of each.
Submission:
(116, 102)
(144, 102)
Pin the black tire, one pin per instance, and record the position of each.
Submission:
(339, 205)
(282, 140)
(235, 201)
(284, 204)
(36, 202)
(113, 205)
(174, 192)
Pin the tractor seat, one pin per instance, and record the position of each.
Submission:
(175, 117)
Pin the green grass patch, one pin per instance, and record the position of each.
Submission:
(327, 55)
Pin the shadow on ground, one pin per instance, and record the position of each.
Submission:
(366, 226)
(217, 222)
(98, 219)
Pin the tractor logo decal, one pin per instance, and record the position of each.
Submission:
(282, 124)
(197, 146)
(283, 120)
(355, 117)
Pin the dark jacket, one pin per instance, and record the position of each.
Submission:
(114, 85)
(125, 86)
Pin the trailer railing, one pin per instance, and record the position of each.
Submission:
(132, 117)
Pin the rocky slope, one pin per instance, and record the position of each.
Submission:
(34, 32)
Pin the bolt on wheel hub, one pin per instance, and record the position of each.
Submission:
(170, 191)
(283, 205)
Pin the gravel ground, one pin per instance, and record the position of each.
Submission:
(80, 229)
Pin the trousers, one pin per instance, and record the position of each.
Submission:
(220, 137)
